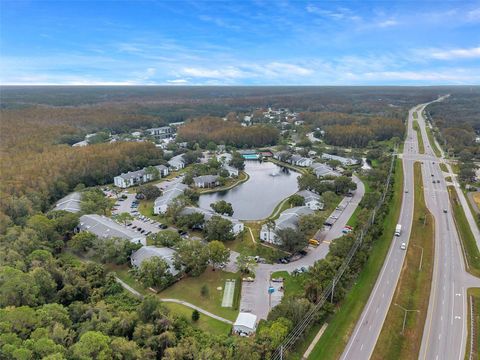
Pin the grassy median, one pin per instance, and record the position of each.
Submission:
(421, 147)
(413, 289)
(472, 352)
(432, 142)
(469, 245)
(342, 323)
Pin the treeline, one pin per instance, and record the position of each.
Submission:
(32, 180)
(355, 130)
(204, 130)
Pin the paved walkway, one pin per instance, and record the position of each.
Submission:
(200, 310)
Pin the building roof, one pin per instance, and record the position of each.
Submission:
(342, 159)
(178, 159)
(170, 193)
(323, 170)
(147, 252)
(105, 227)
(208, 214)
(247, 320)
(309, 195)
(205, 179)
(289, 218)
(70, 203)
(161, 168)
(132, 174)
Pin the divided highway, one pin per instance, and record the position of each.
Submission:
(365, 335)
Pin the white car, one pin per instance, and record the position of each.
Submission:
(403, 246)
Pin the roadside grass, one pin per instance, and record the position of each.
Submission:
(455, 168)
(469, 245)
(448, 179)
(204, 323)
(413, 289)
(190, 289)
(354, 218)
(432, 142)
(421, 147)
(415, 115)
(342, 323)
(293, 285)
(476, 198)
(231, 183)
(473, 294)
(443, 167)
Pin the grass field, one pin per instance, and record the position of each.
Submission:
(413, 289)
(190, 289)
(205, 323)
(293, 285)
(432, 142)
(466, 236)
(415, 115)
(443, 167)
(473, 293)
(342, 323)
(421, 147)
(476, 198)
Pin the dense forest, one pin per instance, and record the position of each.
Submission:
(204, 130)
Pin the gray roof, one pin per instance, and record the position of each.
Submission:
(161, 167)
(309, 195)
(289, 218)
(105, 227)
(147, 252)
(208, 214)
(323, 170)
(178, 159)
(343, 160)
(296, 158)
(205, 179)
(170, 193)
(132, 174)
(70, 203)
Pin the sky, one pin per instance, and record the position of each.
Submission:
(241, 42)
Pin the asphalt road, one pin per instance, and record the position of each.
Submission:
(366, 332)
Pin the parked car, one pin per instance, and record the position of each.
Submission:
(162, 226)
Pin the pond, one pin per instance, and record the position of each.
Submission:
(256, 198)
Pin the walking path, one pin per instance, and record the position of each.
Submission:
(181, 302)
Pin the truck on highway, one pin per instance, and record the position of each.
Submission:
(398, 230)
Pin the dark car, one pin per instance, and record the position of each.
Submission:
(162, 226)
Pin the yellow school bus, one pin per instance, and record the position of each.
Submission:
(313, 242)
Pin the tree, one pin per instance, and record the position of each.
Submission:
(192, 256)
(17, 288)
(218, 228)
(273, 333)
(309, 224)
(217, 253)
(149, 191)
(153, 172)
(296, 200)
(246, 264)
(94, 202)
(191, 221)
(237, 161)
(343, 185)
(334, 163)
(154, 272)
(83, 241)
(115, 250)
(291, 240)
(222, 207)
(168, 238)
(195, 315)
(92, 345)
(124, 218)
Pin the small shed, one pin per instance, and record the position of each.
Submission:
(246, 324)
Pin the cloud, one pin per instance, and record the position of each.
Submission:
(178, 82)
(229, 72)
(473, 15)
(469, 53)
(337, 14)
(387, 23)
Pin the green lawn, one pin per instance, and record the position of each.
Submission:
(342, 322)
(465, 233)
(293, 285)
(189, 289)
(432, 142)
(204, 323)
(421, 147)
(415, 115)
(414, 284)
(443, 167)
(475, 294)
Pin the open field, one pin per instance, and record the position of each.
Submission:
(413, 289)
(469, 244)
(342, 322)
(190, 289)
(293, 284)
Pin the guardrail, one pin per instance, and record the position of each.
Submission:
(300, 327)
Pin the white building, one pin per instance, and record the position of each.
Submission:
(105, 228)
(246, 324)
(169, 194)
(70, 203)
(138, 177)
(288, 219)
(323, 170)
(81, 143)
(161, 132)
(233, 172)
(206, 181)
(345, 161)
(177, 162)
(147, 252)
(312, 200)
(237, 225)
(300, 161)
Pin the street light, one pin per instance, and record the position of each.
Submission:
(405, 315)
(421, 257)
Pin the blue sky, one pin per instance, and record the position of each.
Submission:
(240, 42)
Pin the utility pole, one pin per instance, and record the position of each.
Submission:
(421, 257)
(405, 315)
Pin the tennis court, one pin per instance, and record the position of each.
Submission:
(228, 293)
